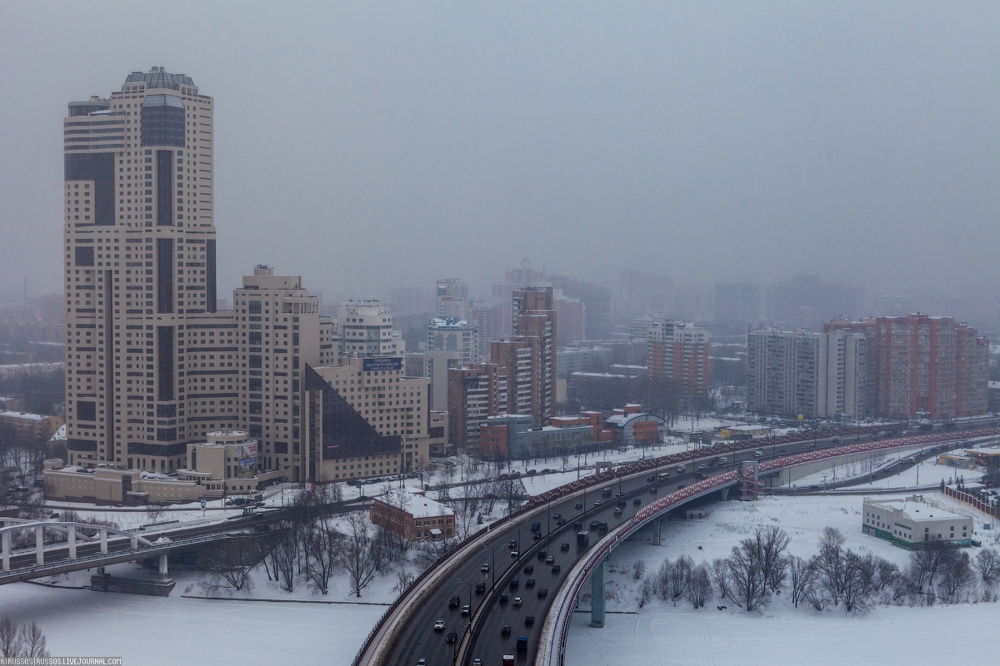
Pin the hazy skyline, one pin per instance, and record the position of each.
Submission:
(395, 144)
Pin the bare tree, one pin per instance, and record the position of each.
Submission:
(720, 576)
(698, 589)
(10, 639)
(748, 586)
(362, 552)
(858, 581)
(284, 556)
(232, 560)
(830, 566)
(988, 565)
(321, 548)
(32, 641)
(661, 579)
(771, 543)
(638, 569)
(646, 591)
(802, 577)
(512, 494)
(957, 578)
(678, 576)
(403, 580)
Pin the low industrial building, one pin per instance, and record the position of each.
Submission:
(225, 465)
(913, 522)
(416, 517)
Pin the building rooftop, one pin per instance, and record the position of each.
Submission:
(918, 512)
(23, 416)
(157, 77)
(421, 506)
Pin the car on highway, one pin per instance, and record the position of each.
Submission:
(505, 630)
(617, 512)
(514, 583)
(556, 569)
(652, 490)
(597, 503)
(536, 536)
(543, 592)
(556, 516)
(651, 479)
(541, 555)
(422, 662)
(529, 620)
(485, 568)
(529, 569)
(439, 625)
(477, 662)
(451, 637)
(466, 609)
(504, 598)
(564, 547)
(517, 602)
(578, 506)
(512, 544)
(606, 492)
(530, 583)
(454, 602)
(480, 587)
(679, 469)
(550, 559)
(561, 521)
(514, 554)
(636, 502)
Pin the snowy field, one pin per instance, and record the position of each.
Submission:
(313, 628)
(663, 634)
(926, 473)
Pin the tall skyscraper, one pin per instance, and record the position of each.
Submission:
(534, 315)
(140, 286)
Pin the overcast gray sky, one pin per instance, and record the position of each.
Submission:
(397, 143)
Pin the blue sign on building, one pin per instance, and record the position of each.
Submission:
(379, 363)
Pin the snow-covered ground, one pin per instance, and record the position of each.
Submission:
(661, 633)
(308, 627)
(926, 473)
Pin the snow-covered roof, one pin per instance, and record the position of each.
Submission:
(421, 506)
(25, 416)
(59, 434)
(983, 451)
(918, 512)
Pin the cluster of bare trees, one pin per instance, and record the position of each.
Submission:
(24, 641)
(484, 490)
(758, 568)
(310, 548)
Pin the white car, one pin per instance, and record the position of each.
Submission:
(439, 625)
(517, 601)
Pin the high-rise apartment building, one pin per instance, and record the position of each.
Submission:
(365, 329)
(534, 316)
(571, 314)
(783, 372)
(843, 374)
(517, 359)
(474, 393)
(677, 354)
(147, 356)
(930, 365)
(449, 334)
(452, 298)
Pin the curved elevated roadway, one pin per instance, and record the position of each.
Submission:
(406, 632)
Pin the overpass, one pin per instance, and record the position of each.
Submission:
(404, 634)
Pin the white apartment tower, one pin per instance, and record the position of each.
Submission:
(451, 334)
(843, 371)
(365, 328)
(140, 283)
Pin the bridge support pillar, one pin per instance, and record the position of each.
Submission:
(597, 595)
(39, 545)
(71, 542)
(104, 541)
(656, 532)
(724, 494)
(163, 566)
(5, 548)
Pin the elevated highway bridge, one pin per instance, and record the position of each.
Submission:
(649, 490)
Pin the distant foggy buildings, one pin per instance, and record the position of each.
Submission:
(735, 304)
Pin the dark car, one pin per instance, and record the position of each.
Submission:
(564, 547)
(561, 521)
(556, 516)
(451, 637)
(652, 491)
(541, 555)
(512, 544)
(556, 569)
(530, 583)
(536, 536)
(529, 569)
(543, 592)
(514, 583)
(651, 479)
(505, 630)
(454, 602)
(480, 587)
(636, 502)
(529, 620)
(578, 506)
(503, 598)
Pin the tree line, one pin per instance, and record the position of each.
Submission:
(759, 568)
